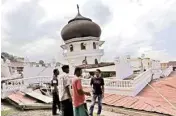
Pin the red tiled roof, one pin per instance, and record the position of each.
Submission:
(148, 99)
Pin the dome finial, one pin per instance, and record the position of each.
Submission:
(78, 9)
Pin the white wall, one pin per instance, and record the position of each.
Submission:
(123, 68)
(135, 64)
(5, 72)
(156, 64)
(146, 63)
(78, 55)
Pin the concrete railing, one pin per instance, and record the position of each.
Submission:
(21, 84)
(167, 71)
(118, 83)
(122, 87)
(125, 87)
(111, 83)
(141, 81)
(157, 73)
(143, 76)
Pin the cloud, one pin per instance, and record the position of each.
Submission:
(137, 35)
(23, 30)
(23, 22)
(32, 27)
(98, 11)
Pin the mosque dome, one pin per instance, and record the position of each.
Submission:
(80, 27)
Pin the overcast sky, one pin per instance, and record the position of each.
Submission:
(31, 28)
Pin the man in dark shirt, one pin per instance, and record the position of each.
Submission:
(54, 84)
(98, 92)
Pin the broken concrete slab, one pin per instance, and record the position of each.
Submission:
(20, 98)
(40, 97)
(23, 102)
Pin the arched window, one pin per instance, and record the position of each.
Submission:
(83, 46)
(94, 45)
(71, 48)
(96, 61)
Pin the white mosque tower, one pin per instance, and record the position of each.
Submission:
(82, 41)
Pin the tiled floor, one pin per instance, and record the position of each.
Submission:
(148, 99)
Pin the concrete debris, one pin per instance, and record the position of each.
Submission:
(30, 100)
(39, 97)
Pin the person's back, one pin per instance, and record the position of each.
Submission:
(64, 92)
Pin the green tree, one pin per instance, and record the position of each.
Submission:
(8, 56)
(42, 62)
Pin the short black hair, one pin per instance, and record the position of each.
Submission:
(65, 67)
(91, 73)
(98, 70)
(77, 69)
(55, 71)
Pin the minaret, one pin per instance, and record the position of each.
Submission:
(82, 41)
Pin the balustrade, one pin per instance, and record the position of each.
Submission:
(111, 83)
(21, 84)
(167, 71)
(145, 75)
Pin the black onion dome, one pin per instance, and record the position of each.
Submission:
(80, 27)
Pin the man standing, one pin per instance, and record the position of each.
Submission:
(79, 95)
(54, 84)
(64, 92)
(98, 92)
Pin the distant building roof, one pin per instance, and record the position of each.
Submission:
(17, 64)
(172, 63)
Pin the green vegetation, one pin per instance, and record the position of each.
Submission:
(10, 56)
(42, 62)
(96, 114)
(6, 112)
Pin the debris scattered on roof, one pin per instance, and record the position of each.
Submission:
(20, 100)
